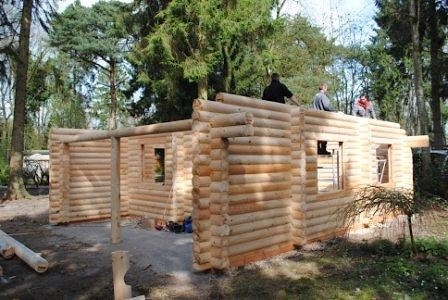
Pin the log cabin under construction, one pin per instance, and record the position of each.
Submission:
(257, 177)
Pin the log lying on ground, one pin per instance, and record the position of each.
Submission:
(34, 260)
(6, 250)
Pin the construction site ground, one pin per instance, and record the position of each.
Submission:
(80, 267)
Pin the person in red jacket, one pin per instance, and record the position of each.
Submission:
(363, 107)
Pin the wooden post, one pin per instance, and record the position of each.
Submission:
(120, 265)
(115, 188)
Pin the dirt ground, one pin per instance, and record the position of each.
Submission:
(79, 257)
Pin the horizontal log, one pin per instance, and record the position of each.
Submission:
(257, 216)
(70, 131)
(158, 205)
(125, 132)
(251, 169)
(258, 149)
(89, 189)
(89, 155)
(232, 131)
(417, 141)
(258, 234)
(251, 226)
(253, 102)
(260, 254)
(213, 106)
(84, 184)
(240, 118)
(200, 236)
(86, 161)
(201, 247)
(255, 187)
(273, 124)
(336, 202)
(311, 120)
(34, 260)
(270, 132)
(202, 267)
(88, 207)
(259, 196)
(257, 244)
(258, 140)
(258, 159)
(246, 207)
(6, 250)
(259, 178)
(202, 258)
(88, 195)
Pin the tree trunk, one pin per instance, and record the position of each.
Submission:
(411, 234)
(437, 42)
(202, 88)
(228, 70)
(113, 95)
(414, 9)
(16, 187)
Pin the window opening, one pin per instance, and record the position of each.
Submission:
(142, 161)
(159, 170)
(383, 163)
(329, 166)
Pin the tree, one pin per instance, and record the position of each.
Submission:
(436, 17)
(386, 202)
(43, 11)
(302, 54)
(427, 21)
(16, 188)
(97, 37)
(197, 48)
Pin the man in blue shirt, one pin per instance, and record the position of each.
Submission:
(277, 91)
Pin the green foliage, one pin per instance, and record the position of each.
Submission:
(435, 247)
(301, 54)
(97, 38)
(4, 172)
(435, 278)
(189, 42)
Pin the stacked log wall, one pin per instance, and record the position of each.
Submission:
(258, 220)
(148, 197)
(80, 179)
(388, 133)
(321, 217)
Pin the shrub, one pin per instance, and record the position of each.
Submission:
(384, 201)
(430, 245)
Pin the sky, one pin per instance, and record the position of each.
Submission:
(330, 15)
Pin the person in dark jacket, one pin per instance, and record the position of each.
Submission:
(321, 101)
(277, 91)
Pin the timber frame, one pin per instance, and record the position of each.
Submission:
(257, 177)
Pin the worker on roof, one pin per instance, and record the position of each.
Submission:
(321, 101)
(277, 91)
